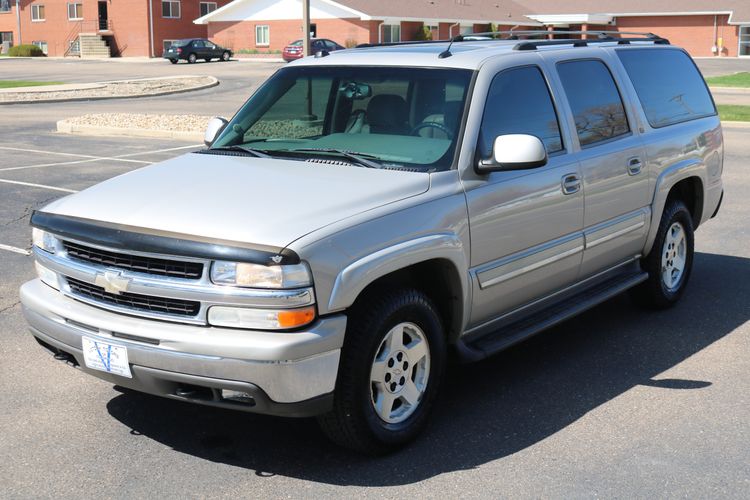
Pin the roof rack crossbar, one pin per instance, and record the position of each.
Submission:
(533, 44)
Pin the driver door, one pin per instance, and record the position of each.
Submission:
(526, 225)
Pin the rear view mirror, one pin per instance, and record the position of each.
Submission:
(214, 127)
(356, 91)
(514, 152)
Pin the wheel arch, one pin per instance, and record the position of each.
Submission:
(685, 181)
(435, 264)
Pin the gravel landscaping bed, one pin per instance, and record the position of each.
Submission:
(173, 123)
(117, 89)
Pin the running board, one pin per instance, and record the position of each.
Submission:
(495, 341)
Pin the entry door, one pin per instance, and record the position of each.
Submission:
(613, 164)
(103, 17)
(526, 238)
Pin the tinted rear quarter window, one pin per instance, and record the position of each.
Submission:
(668, 84)
(594, 99)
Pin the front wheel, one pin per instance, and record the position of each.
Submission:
(670, 261)
(390, 370)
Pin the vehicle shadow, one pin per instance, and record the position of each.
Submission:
(487, 410)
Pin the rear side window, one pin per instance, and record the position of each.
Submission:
(519, 102)
(668, 84)
(595, 101)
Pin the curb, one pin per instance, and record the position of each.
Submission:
(735, 124)
(213, 83)
(65, 127)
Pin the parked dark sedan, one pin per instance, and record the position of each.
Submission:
(192, 49)
(294, 50)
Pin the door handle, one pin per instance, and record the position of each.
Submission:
(634, 166)
(571, 183)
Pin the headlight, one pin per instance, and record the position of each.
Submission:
(260, 276)
(43, 240)
(260, 319)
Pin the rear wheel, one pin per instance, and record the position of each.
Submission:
(192, 58)
(225, 56)
(670, 261)
(391, 365)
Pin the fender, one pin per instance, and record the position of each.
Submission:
(359, 274)
(664, 182)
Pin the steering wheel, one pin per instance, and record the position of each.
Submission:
(436, 125)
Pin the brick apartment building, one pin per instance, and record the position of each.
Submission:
(703, 27)
(103, 28)
(144, 27)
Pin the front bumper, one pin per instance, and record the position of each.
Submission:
(285, 373)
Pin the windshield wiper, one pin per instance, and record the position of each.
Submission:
(362, 159)
(253, 152)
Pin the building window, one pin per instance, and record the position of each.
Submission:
(167, 43)
(4, 5)
(207, 8)
(170, 9)
(6, 36)
(744, 41)
(42, 45)
(391, 33)
(75, 11)
(434, 31)
(37, 12)
(262, 35)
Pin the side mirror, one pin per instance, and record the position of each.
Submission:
(514, 152)
(215, 126)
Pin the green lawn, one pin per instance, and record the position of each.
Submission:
(735, 113)
(736, 80)
(9, 84)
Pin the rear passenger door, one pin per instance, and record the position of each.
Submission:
(613, 166)
(526, 239)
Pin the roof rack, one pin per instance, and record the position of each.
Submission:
(621, 37)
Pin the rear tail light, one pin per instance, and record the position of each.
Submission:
(179, 51)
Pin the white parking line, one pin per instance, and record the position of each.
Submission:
(43, 186)
(60, 153)
(160, 151)
(74, 162)
(9, 248)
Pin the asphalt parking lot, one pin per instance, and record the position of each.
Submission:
(616, 403)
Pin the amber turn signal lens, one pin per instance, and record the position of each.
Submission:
(296, 317)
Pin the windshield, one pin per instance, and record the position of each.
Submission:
(403, 117)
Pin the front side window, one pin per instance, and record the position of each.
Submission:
(37, 12)
(668, 84)
(170, 9)
(595, 101)
(403, 117)
(75, 11)
(519, 102)
(262, 35)
(207, 7)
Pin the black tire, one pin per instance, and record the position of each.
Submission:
(654, 293)
(207, 59)
(353, 422)
(225, 56)
(173, 61)
(192, 58)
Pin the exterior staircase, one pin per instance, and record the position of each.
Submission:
(92, 46)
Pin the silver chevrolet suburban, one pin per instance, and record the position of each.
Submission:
(369, 211)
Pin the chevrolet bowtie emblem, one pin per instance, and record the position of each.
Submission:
(112, 282)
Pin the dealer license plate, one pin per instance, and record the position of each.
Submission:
(106, 357)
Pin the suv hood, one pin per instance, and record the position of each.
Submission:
(250, 200)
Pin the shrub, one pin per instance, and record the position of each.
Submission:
(350, 43)
(25, 51)
(423, 33)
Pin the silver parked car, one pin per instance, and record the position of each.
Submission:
(368, 211)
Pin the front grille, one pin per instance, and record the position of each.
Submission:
(177, 307)
(138, 263)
